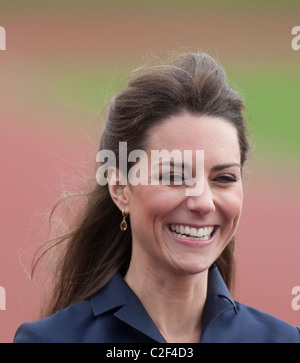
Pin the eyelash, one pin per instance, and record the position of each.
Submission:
(224, 179)
(168, 177)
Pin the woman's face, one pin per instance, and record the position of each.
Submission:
(177, 232)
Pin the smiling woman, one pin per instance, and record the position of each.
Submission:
(167, 276)
(218, 206)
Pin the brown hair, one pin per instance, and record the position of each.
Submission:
(97, 248)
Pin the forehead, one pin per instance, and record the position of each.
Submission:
(216, 136)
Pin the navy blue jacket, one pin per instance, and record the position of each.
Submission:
(115, 315)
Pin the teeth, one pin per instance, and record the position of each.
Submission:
(192, 232)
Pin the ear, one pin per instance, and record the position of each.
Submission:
(118, 189)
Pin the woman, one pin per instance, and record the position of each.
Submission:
(153, 261)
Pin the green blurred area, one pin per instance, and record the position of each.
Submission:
(272, 111)
(60, 3)
(83, 6)
(271, 95)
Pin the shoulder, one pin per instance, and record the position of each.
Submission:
(262, 327)
(67, 325)
(112, 314)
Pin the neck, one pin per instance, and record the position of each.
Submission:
(174, 302)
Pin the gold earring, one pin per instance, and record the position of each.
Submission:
(123, 224)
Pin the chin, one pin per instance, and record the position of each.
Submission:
(193, 268)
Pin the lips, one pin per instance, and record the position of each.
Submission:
(192, 233)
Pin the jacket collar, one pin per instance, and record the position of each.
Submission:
(116, 296)
(217, 286)
(218, 298)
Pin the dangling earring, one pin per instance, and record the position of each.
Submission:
(123, 224)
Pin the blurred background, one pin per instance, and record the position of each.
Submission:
(65, 59)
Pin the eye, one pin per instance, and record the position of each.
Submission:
(172, 178)
(226, 178)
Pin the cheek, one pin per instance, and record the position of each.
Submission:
(151, 203)
(230, 204)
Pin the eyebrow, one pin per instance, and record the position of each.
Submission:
(225, 166)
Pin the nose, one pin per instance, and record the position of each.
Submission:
(203, 203)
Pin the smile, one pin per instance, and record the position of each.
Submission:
(192, 233)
